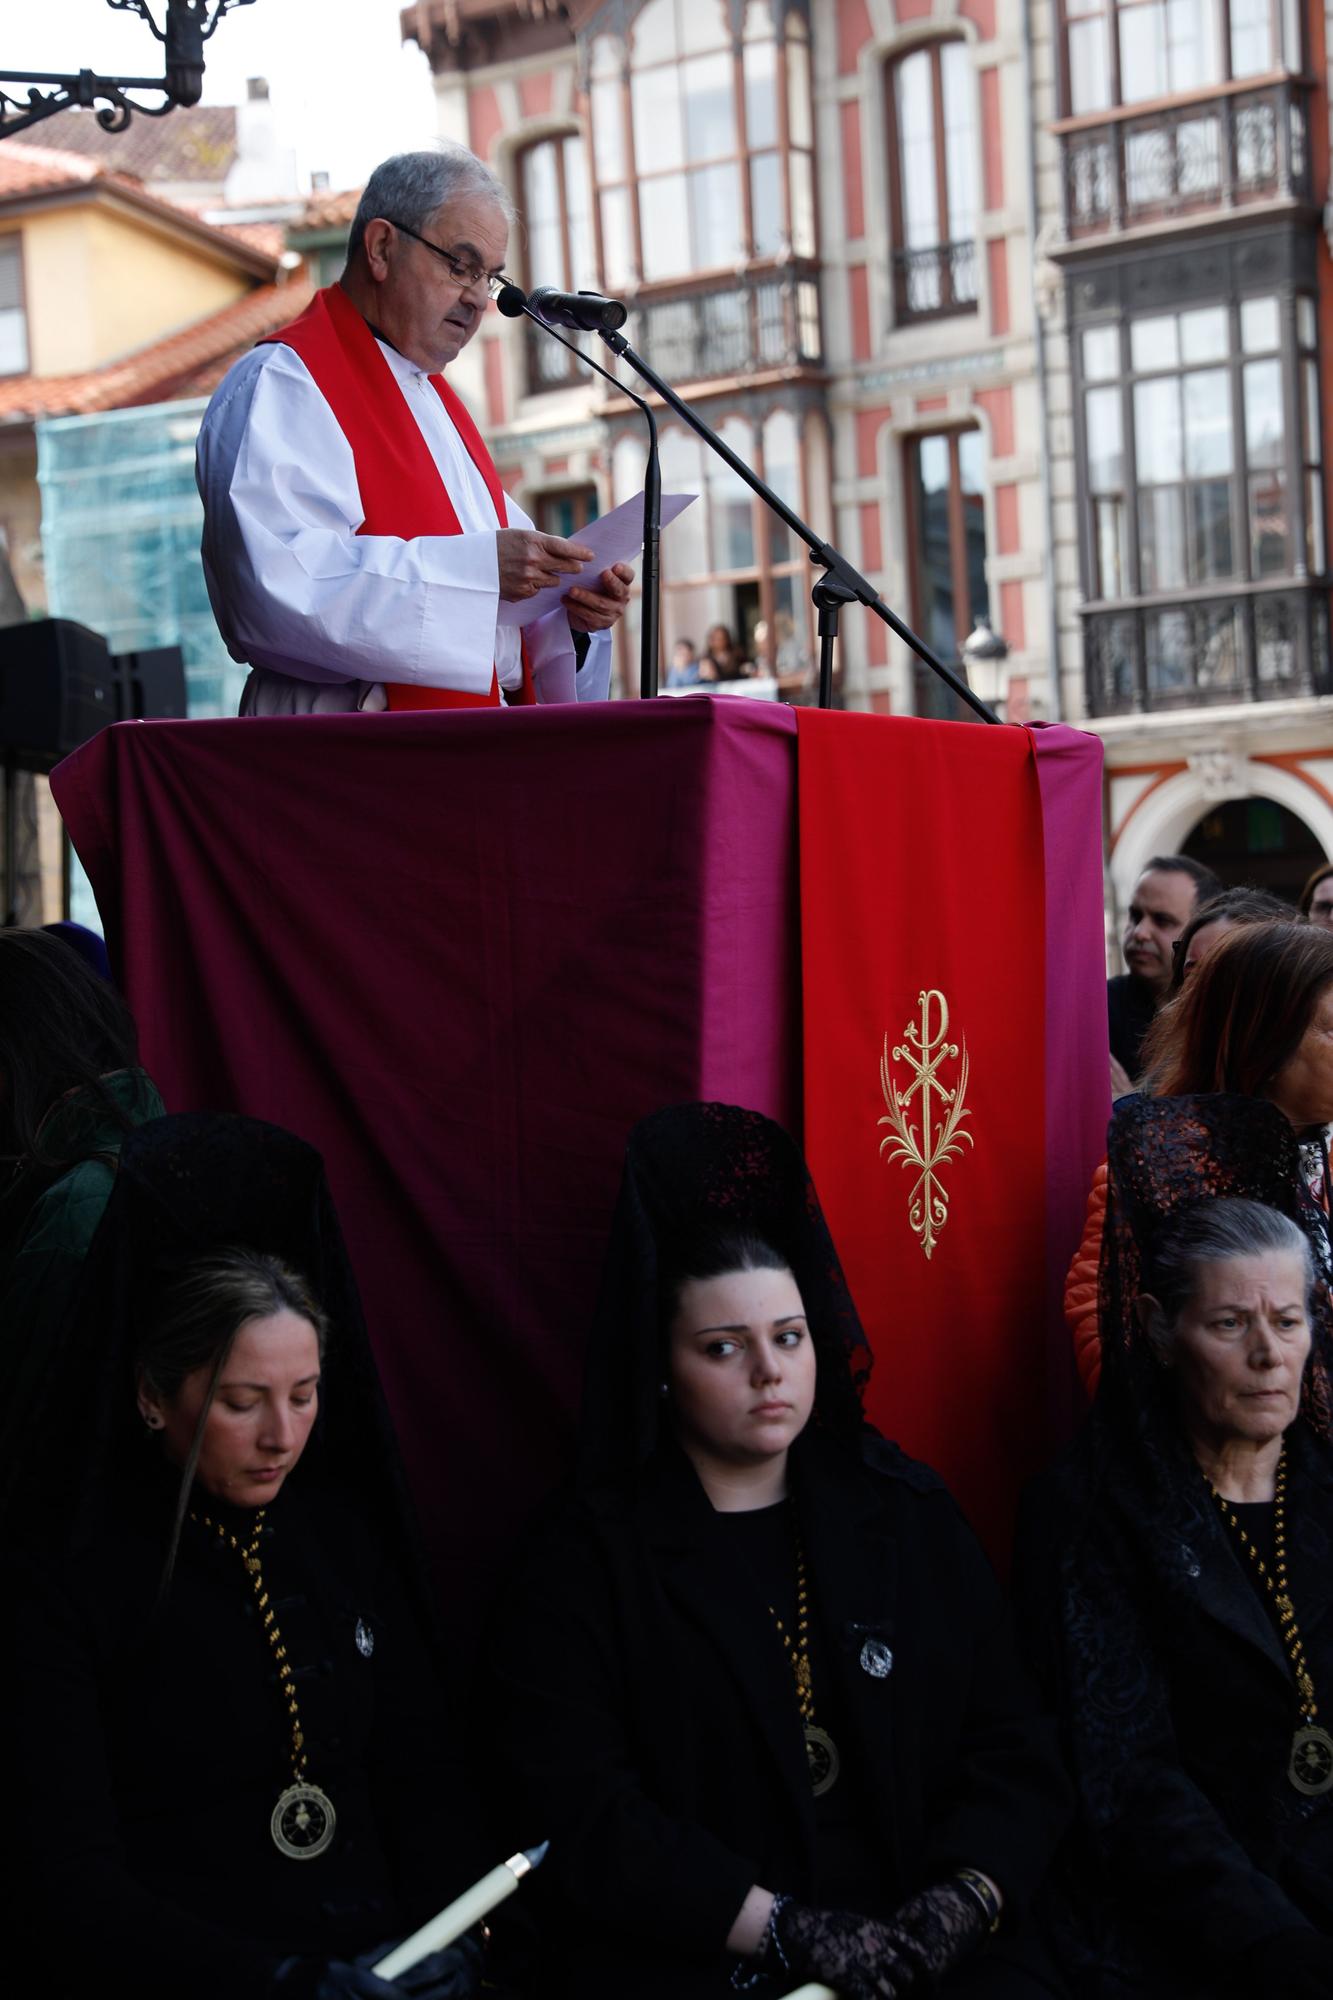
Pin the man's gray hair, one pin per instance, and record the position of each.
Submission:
(410, 187)
(1210, 1233)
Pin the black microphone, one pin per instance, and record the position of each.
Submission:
(585, 312)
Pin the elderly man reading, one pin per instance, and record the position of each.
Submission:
(357, 541)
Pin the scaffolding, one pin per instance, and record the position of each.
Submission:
(121, 521)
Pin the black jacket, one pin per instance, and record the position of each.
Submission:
(144, 1753)
(1130, 1012)
(1178, 1707)
(646, 1722)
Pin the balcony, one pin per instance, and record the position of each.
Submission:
(1234, 148)
(752, 324)
(1257, 645)
(934, 283)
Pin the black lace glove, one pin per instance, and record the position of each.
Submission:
(1295, 1965)
(866, 1958)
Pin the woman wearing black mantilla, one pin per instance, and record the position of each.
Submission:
(227, 1772)
(756, 1682)
(1175, 1574)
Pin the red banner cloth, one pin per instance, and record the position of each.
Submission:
(461, 955)
(923, 948)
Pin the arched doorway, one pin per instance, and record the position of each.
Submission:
(1257, 842)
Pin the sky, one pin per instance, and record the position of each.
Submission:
(345, 90)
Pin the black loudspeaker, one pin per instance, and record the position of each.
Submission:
(150, 685)
(57, 688)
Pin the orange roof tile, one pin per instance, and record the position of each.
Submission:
(33, 169)
(169, 369)
(329, 211)
(196, 143)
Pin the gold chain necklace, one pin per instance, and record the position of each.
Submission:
(303, 1819)
(1310, 1766)
(821, 1752)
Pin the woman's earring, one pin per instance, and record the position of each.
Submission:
(153, 1420)
(663, 1390)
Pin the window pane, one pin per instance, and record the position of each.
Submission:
(971, 462)
(608, 56)
(1110, 530)
(541, 211)
(1310, 401)
(664, 221)
(1263, 413)
(1153, 344)
(715, 216)
(1142, 53)
(914, 94)
(617, 257)
(1314, 523)
(1157, 440)
(1192, 44)
(798, 90)
(1162, 539)
(608, 130)
(11, 266)
(730, 507)
(685, 549)
(1291, 34)
(1259, 326)
(1168, 646)
(960, 158)
(1101, 354)
(1106, 463)
(782, 463)
(658, 139)
(802, 204)
(935, 562)
(1305, 320)
(710, 107)
(1208, 423)
(13, 342)
(1089, 69)
(758, 20)
(654, 37)
(766, 203)
(1203, 335)
(583, 272)
(1268, 525)
(1210, 551)
(761, 94)
(1251, 37)
(701, 24)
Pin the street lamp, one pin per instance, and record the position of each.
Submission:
(189, 25)
(983, 644)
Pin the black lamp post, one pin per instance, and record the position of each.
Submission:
(189, 25)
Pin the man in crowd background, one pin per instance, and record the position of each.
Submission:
(1165, 897)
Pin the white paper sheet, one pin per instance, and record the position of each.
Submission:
(614, 537)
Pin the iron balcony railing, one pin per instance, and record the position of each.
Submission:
(1224, 152)
(1256, 645)
(929, 284)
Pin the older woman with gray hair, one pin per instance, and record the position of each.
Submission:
(358, 544)
(1175, 1575)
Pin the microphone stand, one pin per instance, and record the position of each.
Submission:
(652, 493)
(840, 584)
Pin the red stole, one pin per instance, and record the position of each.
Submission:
(399, 482)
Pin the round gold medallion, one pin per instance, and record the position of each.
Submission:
(303, 1822)
(1311, 1766)
(821, 1755)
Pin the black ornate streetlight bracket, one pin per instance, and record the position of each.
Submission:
(189, 25)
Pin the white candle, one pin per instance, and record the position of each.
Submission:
(469, 1909)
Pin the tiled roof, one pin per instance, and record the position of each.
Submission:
(270, 237)
(184, 364)
(328, 211)
(33, 169)
(196, 143)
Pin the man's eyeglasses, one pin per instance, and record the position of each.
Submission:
(469, 276)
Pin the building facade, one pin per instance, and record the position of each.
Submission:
(1025, 306)
(1183, 150)
(820, 215)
